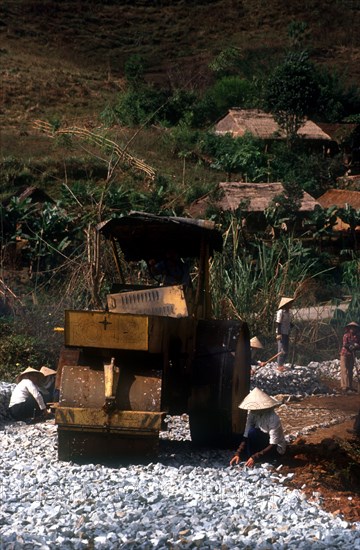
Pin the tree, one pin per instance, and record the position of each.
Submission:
(283, 209)
(240, 155)
(227, 92)
(297, 34)
(134, 71)
(351, 216)
(292, 92)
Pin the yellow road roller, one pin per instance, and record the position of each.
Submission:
(153, 349)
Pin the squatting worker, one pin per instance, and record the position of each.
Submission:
(47, 387)
(283, 327)
(26, 400)
(263, 438)
(254, 345)
(350, 345)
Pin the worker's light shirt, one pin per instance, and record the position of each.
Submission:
(268, 422)
(283, 317)
(22, 391)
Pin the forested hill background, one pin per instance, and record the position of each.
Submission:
(69, 56)
(82, 81)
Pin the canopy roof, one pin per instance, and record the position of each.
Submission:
(142, 236)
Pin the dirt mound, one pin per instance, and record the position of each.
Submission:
(329, 473)
(326, 461)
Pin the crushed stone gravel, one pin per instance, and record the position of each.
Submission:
(187, 499)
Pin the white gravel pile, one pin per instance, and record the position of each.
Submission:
(300, 381)
(5, 394)
(188, 499)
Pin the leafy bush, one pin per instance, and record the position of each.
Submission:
(310, 170)
(136, 107)
(226, 93)
(15, 173)
(336, 100)
(243, 155)
(19, 351)
(179, 106)
(27, 338)
(183, 139)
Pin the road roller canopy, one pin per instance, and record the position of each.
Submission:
(142, 236)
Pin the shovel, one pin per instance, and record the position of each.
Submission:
(263, 363)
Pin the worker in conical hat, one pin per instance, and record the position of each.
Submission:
(255, 343)
(47, 388)
(26, 401)
(350, 345)
(30, 373)
(263, 437)
(283, 327)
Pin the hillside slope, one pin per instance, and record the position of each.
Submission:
(66, 58)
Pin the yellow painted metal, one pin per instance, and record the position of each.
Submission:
(95, 418)
(111, 379)
(167, 301)
(106, 330)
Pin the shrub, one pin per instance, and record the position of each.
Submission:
(228, 92)
(27, 339)
(18, 351)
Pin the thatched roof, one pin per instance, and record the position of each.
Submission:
(257, 197)
(339, 132)
(339, 198)
(263, 125)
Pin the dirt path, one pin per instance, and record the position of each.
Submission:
(326, 460)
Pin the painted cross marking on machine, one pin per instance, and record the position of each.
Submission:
(105, 322)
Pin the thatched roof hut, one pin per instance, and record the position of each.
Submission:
(263, 125)
(256, 196)
(340, 198)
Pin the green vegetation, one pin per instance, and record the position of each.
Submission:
(169, 126)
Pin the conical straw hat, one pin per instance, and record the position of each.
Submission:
(47, 372)
(257, 400)
(352, 324)
(27, 371)
(284, 301)
(255, 343)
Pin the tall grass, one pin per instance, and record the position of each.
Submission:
(247, 283)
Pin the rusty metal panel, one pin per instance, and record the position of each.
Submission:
(82, 387)
(127, 421)
(139, 391)
(85, 387)
(168, 301)
(106, 330)
(67, 357)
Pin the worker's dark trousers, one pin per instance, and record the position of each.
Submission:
(26, 409)
(283, 349)
(257, 440)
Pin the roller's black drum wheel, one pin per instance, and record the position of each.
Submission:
(220, 380)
